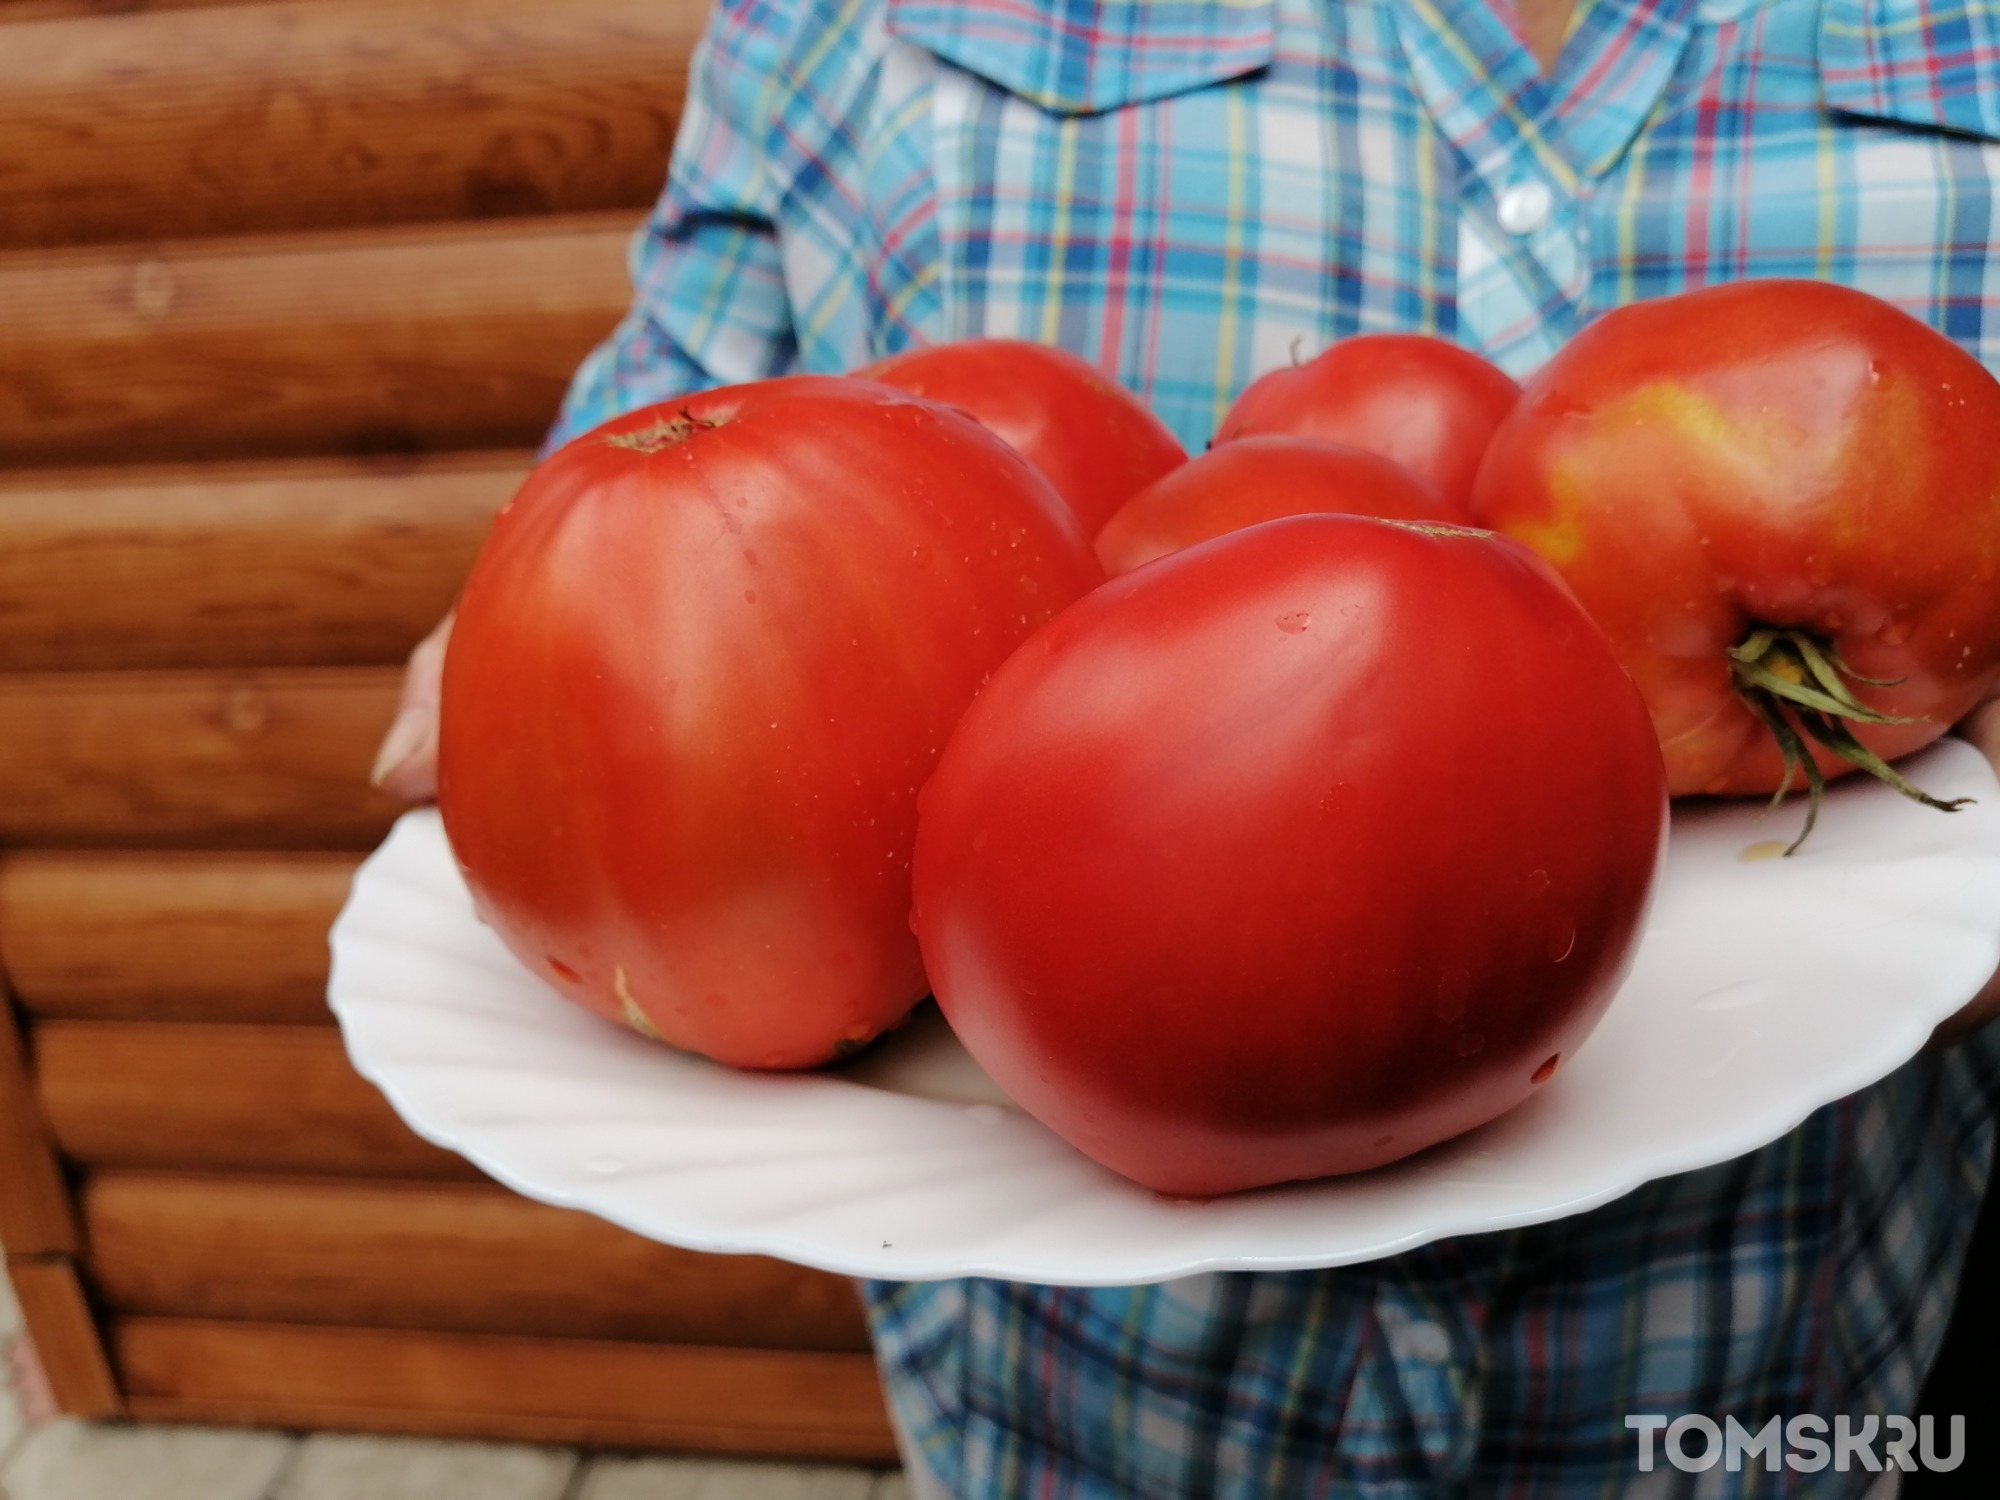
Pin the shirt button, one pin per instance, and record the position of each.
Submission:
(1524, 208)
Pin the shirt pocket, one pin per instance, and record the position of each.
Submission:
(1079, 57)
(1929, 63)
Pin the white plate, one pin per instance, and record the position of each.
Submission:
(1763, 988)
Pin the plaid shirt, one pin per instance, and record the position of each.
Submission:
(1185, 191)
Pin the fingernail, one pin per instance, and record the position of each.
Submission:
(405, 738)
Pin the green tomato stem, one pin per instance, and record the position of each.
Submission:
(1797, 684)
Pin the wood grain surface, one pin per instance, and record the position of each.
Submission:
(453, 1258)
(363, 341)
(171, 936)
(43, 10)
(302, 114)
(222, 1098)
(315, 562)
(254, 758)
(797, 1404)
(36, 1217)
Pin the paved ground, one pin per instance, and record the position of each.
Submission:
(43, 1457)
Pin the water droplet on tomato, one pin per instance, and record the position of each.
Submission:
(1295, 622)
(1895, 633)
(1538, 881)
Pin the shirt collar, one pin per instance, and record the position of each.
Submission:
(1486, 94)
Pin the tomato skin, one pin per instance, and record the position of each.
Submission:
(1786, 453)
(1210, 881)
(1252, 479)
(1096, 442)
(694, 686)
(1429, 404)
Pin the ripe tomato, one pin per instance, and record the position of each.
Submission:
(700, 669)
(1252, 479)
(1291, 853)
(1790, 464)
(1094, 440)
(1429, 404)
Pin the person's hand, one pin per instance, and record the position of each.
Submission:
(1982, 728)
(406, 765)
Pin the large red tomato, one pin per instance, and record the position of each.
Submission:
(1095, 440)
(1291, 853)
(1429, 404)
(700, 669)
(1793, 470)
(1240, 483)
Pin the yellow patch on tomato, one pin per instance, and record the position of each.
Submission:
(634, 1017)
(1559, 535)
(1693, 415)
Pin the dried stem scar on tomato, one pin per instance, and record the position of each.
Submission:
(699, 671)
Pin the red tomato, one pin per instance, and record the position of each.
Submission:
(1095, 440)
(1769, 456)
(700, 669)
(1240, 483)
(1425, 402)
(1292, 853)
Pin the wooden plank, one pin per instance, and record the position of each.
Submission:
(451, 1258)
(279, 1099)
(749, 1401)
(42, 10)
(35, 1213)
(67, 1344)
(307, 562)
(328, 113)
(256, 758)
(364, 341)
(101, 935)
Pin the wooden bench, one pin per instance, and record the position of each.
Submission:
(289, 289)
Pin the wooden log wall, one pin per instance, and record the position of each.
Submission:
(289, 291)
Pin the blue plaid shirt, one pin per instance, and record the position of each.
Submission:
(1184, 190)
